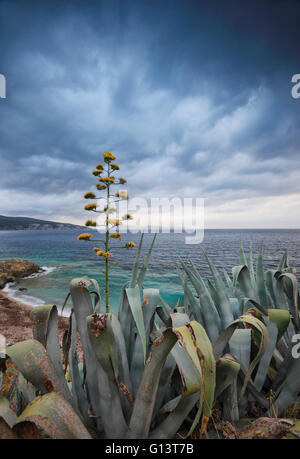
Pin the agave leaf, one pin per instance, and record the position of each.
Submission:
(6, 412)
(150, 301)
(186, 303)
(103, 342)
(265, 361)
(281, 299)
(225, 310)
(127, 323)
(45, 330)
(201, 348)
(36, 366)
(281, 318)
(65, 303)
(172, 423)
(108, 342)
(284, 367)
(240, 346)
(283, 262)
(210, 314)
(194, 304)
(27, 390)
(192, 336)
(194, 357)
(289, 389)
(78, 392)
(83, 307)
(50, 416)
(164, 386)
(230, 403)
(134, 274)
(170, 405)
(105, 348)
(236, 307)
(242, 254)
(97, 304)
(290, 284)
(144, 403)
(165, 304)
(134, 301)
(227, 333)
(260, 281)
(213, 292)
(270, 276)
(143, 270)
(242, 276)
(163, 316)
(228, 281)
(250, 264)
(124, 373)
(253, 303)
(227, 369)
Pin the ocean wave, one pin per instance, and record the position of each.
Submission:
(44, 271)
(15, 294)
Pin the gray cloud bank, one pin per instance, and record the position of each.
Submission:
(193, 97)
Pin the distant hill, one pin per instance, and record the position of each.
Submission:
(26, 223)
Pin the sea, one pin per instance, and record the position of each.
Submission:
(63, 257)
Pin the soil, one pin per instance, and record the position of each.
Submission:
(16, 323)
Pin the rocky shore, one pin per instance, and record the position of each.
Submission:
(16, 323)
(14, 268)
(15, 317)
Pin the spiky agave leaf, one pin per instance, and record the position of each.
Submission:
(50, 416)
(226, 334)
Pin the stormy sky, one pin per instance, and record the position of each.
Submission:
(193, 97)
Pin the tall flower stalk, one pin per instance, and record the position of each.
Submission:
(107, 180)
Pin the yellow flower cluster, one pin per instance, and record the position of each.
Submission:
(101, 253)
(84, 237)
(99, 167)
(107, 179)
(114, 221)
(129, 244)
(100, 187)
(127, 217)
(96, 249)
(122, 181)
(91, 206)
(96, 172)
(108, 156)
(89, 195)
(90, 223)
(122, 194)
(115, 167)
(116, 236)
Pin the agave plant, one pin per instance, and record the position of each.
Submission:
(142, 373)
(268, 373)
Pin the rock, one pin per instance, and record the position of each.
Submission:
(16, 268)
(22, 289)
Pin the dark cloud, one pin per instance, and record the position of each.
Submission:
(194, 98)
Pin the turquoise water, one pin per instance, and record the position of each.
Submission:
(66, 258)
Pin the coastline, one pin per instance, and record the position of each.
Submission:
(15, 320)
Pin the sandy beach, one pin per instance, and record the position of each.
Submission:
(15, 320)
